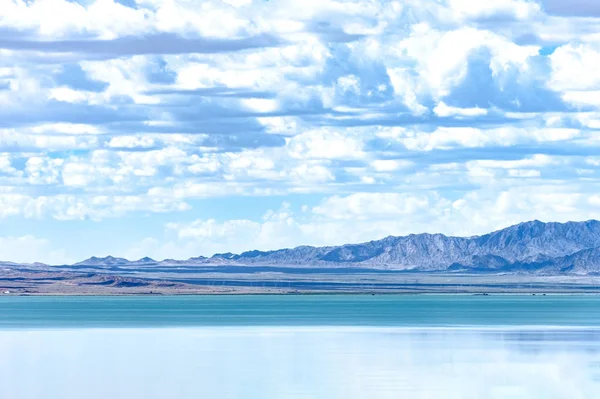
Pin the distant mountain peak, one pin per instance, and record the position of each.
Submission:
(145, 259)
(107, 260)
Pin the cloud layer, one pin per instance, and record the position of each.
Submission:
(364, 118)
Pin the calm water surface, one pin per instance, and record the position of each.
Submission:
(300, 347)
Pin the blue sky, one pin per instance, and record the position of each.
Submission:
(173, 129)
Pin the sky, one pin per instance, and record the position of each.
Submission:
(179, 128)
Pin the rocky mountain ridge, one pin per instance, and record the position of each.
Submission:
(572, 247)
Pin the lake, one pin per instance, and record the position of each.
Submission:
(312, 346)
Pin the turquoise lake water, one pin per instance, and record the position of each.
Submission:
(307, 310)
(338, 346)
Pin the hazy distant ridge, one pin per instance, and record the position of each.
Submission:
(572, 247)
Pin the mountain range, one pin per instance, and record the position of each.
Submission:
(572, 247)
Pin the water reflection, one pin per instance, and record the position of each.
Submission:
(297, 362)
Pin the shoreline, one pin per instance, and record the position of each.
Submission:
(30, 282)
(312, 293)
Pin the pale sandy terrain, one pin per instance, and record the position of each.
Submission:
(52, 281)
